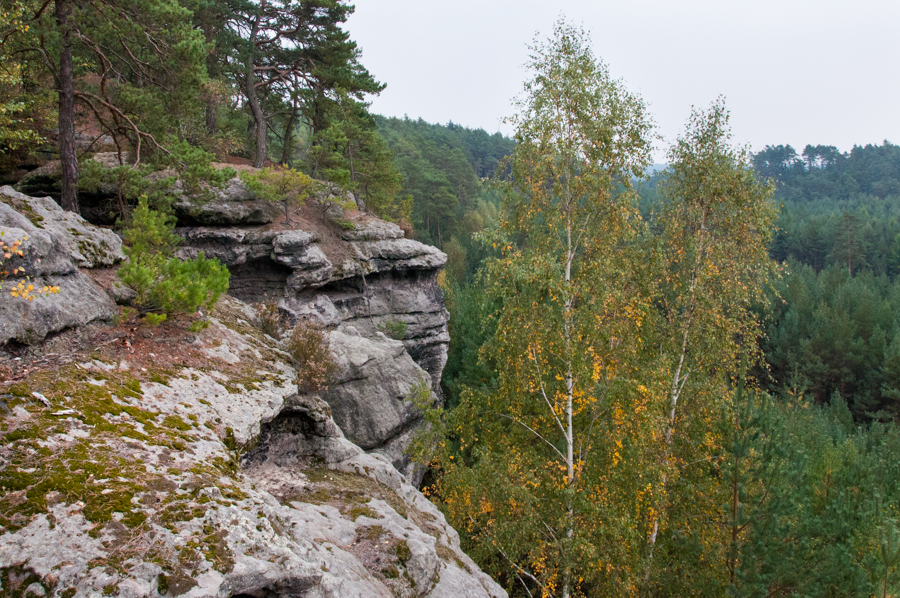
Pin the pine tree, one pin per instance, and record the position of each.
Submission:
(135, 67)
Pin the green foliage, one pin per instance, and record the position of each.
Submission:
(350, 153)
(194, 168)
(16, 129)
(833, 332)
(284, 185)
(470, 327)
(395, 329)
(189, 166)
(832, 327)
(198, 325)
(442, 166)
(536, 470)
(154, 320)
(308, 346)
(456, 259)
(164, 283)
(150, 232)
(138, 66)
(184, 286)
(345, 224)
(426, 441)
(825, 173)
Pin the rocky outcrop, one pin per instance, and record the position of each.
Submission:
(373, 395)
(367, 277)
(342, 269)
(56, 247)
(360, 277)
(358, 283)
(357, 270)
(161, 463)
(233, 204)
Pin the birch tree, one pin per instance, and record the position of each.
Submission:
(715, 225)
(542, 484)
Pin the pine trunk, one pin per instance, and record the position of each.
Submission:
(259, 117)
(66, 139)
(288, 140)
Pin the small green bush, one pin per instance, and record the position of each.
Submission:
(396, 329)
(345, 224)
(154, 320)
(308, 346)
(166, 284)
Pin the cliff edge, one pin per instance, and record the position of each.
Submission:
(148, 462)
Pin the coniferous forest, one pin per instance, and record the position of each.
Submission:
(684, 384)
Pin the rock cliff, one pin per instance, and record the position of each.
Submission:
(146, 462)
(341, 268)
(362, 272)
(356, 275)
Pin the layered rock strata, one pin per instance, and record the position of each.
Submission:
(340, 269)
(359, 280)
(372, 277)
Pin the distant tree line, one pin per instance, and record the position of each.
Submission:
(833, 329)
(443, 167)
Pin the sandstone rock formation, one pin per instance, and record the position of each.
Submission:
(341, 269)
(57, 246)
(155, 462)
(157, 468)
(366, 277)
(365, 274)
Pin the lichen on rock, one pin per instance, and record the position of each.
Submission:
(56, 246)
(201, 472)
(146, 462)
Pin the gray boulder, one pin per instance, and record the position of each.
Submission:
(78, 302)
(372, 230)
(233, 205)
(87, 245)
(55, 244)
(371, 396)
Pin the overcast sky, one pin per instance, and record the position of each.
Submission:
(792, 71)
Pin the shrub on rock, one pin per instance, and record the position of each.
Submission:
(165, 284)
(283, 185)
(268, 319)
(308, 346)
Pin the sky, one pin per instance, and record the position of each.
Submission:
(792, 71)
